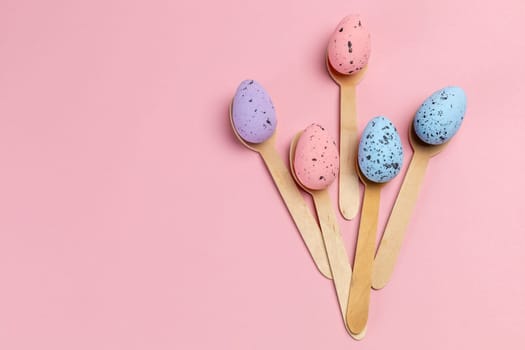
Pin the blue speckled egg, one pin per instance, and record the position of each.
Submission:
(380, 154)
(253, 112)
(441, 115)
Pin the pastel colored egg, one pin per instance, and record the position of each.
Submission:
(349, 45)
(316, 161)
(441, 115)
(253, 112)
(380, 153)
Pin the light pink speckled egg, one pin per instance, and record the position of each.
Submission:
(349, 46)
(316, 161)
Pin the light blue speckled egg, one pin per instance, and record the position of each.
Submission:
(380, 154)
(441, 115)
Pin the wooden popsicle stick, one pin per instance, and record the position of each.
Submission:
(359, 296)
(348, 140)
(297, 207)
(390, 244)
(337, 256)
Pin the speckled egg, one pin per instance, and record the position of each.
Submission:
(380, 153)
(441, 115)
(316, 161)
(253, 112)
(349, 45)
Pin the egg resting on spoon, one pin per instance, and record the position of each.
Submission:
(316, 160)
(349, 45)
(253, 112)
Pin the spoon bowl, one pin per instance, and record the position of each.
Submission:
(423, 147)
(366, 182)
(345, 79)
(291, 158)
(256, 147)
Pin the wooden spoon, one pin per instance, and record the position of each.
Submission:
(349, 137)
(359, 297)
(337, 256)
(293, 199)
(380, 160)
(399, 217)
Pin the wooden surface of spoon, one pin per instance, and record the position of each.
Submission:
(397, 224)
(359, 297)
(333, 241)
(293, 199)
(349, 137)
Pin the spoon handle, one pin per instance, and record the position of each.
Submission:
(359, 298)
(396, 226)
(297, 207)
(337, 256)
(349, 138)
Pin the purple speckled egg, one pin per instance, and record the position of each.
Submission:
(253, 112)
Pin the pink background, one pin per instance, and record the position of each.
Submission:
(130, 217)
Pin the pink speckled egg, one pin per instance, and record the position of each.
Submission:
(316, 160)
(349, 46)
